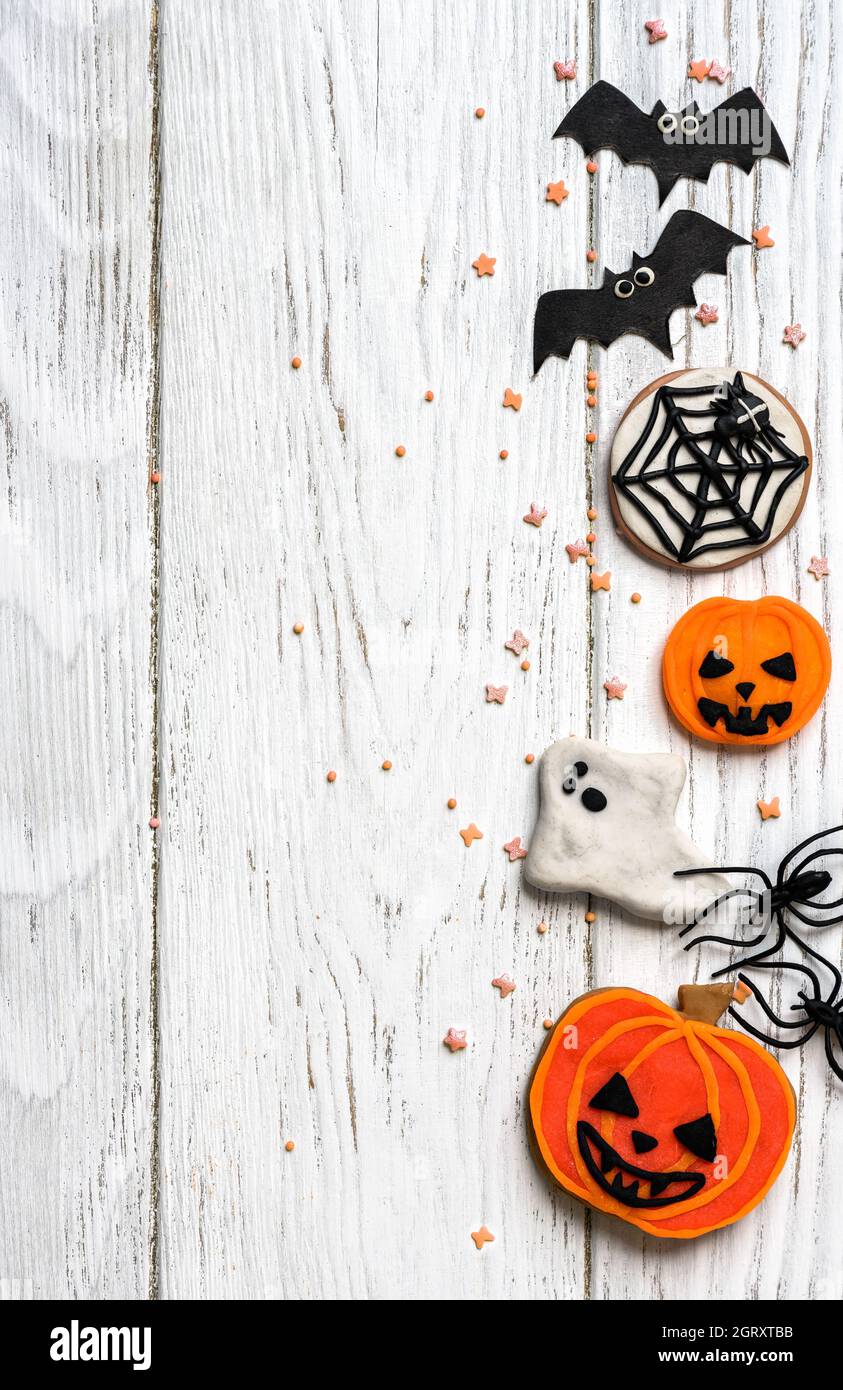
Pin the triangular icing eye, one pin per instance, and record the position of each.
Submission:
(615, 1096)
(782, 666)
(714, 666)
(699, 1137)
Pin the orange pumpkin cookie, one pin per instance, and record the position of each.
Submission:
(657, 1116)
(746, 671)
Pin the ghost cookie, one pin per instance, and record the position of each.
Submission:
(708, 468)
(606, 826)
(745, 671)
(657, 1116)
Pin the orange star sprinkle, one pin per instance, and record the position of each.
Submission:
(699, 70)
(769, 809)
(511, 399)
(481, 1237)
(761, 237)
(535, 516)
(556, 192)
(484, 265)
(470, 834)
(455, 1039)
(601, 581)
(505, 984)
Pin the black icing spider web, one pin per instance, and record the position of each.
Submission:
(714, 484)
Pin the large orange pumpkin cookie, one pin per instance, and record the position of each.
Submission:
(746, 671)
(657, 1116)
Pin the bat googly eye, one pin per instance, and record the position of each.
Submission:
(624, 289)
(690, 125)
(644, 276)
(666, 123)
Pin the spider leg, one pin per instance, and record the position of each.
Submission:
(829, 1052)
(774, 1018)
(724, 897)
(811, 840)
(815, 955)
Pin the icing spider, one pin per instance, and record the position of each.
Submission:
(797, 887)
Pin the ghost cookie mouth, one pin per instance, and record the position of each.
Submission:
(744, 722)
(635, 1187)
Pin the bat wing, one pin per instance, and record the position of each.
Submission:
(745, 132)
(690, 245)
(606, 119)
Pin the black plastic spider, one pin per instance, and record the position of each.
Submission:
(796, 887)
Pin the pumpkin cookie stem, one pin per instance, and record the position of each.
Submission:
(706, 1003)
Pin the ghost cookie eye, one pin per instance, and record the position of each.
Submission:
(713, 666)
(624, 288)
(593, 800)
(783, 667)
(572, 773)
(643, 276)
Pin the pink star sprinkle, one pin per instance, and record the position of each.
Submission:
(505, 984)
(515, 850)
(535, 517)
(455, 1039)
(614, 688)
(793, 334)
(575, 549)
(496, 694)
(707, 313)
(718, 72)
(655, 28)
(565, 72)
(517, 642)
(818, 566)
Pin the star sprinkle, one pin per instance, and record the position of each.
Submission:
(575, 549)
(515, 849)
(565, 72)
(707, 313)
(769, 809)
(535, 517)
(480, 1237)
(517, 642)
(484, 265)
(601, 581)
(655, 28)
(505, 984)
(718, 73)
(761, 237)
(793, 334)
(818, 566)
(556, 192)
(699, 70)
(614, 688)
(455, 1039)
(496, 694)
(470, 834)
(511, 399)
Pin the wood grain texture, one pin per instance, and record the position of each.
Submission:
(324, 188)
(75, 875)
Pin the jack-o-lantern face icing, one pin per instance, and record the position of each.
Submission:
(624, 1075)
(737, 671)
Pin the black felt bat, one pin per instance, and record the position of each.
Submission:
(682, 144)
(641, 299)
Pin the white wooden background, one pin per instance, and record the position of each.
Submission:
(191, 193)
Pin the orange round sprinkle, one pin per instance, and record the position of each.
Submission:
(529, 757)
(504, 454)
(592, 513)
(525, 665)
(289, 1146)
(386, 765)
(428, 395)
(591, 916)
(591, 375)
(591, 400)
(480, 112)
(155, 477)
(591, 437)
(635, 598)
(298, 629)
(590, 559)
(332, 776)
(591, 537)
(541, 928)
(400, 451)
(591, 167)
(591, 256)
(452, 803)
(548, 1023)
(296, 362)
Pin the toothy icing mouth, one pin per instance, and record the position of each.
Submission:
(743, 722)
(635, 1187)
